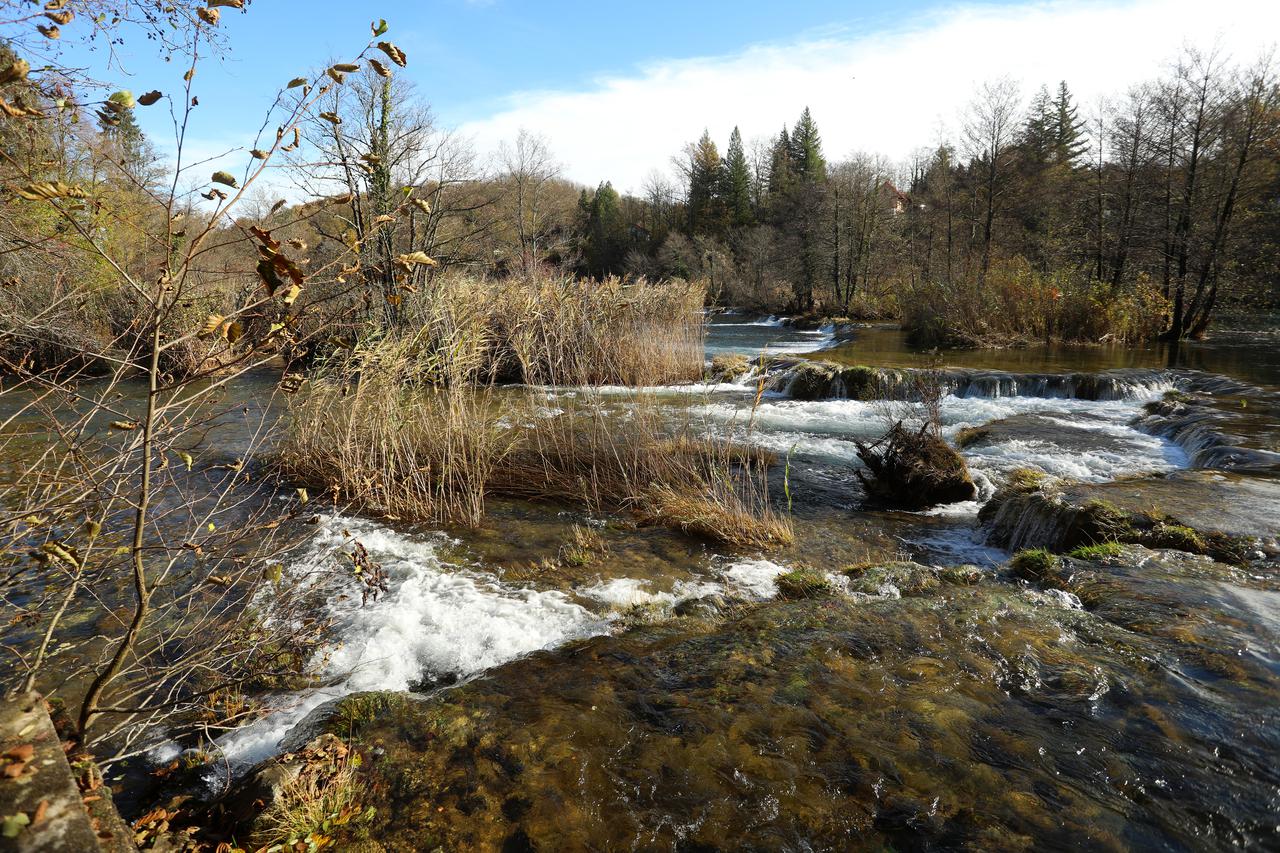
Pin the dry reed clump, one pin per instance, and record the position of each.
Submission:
(633, 455)
(565, 331)
(323, 800)
(402, 425)
(409, 425)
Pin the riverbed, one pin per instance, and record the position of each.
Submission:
(662, 696)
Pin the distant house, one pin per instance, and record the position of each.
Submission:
(892, 199)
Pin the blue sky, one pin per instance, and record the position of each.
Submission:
(616, 88)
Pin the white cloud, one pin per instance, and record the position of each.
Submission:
(884, 92)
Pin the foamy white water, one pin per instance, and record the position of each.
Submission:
(826, 430)
(436, 620)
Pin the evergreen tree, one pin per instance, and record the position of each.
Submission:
(606, 237)
(119, 126)
(781, 171)
(736, 182)
(1039, 133)
(704, 186)
(1069, 138)
(806, 147)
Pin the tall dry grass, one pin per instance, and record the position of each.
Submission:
(411, 425)
(567, 331)
(405, 424)
(639, 455)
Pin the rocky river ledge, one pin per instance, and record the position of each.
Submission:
(1088, 655)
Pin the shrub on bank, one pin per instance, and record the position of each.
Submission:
(1016, 304)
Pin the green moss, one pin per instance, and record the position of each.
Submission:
(1026, 480)
(961, 575)
(358, 710)
(972, 435)
(1106, 522)
(1097, 552)
(802, 583)
(1034, 564)
(1176, 536)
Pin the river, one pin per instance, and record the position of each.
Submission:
(663, 697)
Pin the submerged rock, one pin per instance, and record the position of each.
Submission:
(914, 469)
(728, 366)
(1228, 516)
(969, 717)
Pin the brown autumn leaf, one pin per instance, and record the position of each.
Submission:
(332, 118)
(225, 178)
(296, 82)
(336, 75)
(346, 67)
(63, 17)
(234, 4)
(12, 111)
(49, 32)
(414, 258)
(382, 70)
(396, 54)
(17, 70)
(49, 190)
(150, 97)
(209, 16)
(125, 426)
(212, 324)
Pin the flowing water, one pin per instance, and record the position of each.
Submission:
(661, 697)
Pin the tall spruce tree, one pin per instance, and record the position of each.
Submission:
(606, 237)
(736, 183)
(806, 147)
(781, 169)
(704, 186)
(1069, 138)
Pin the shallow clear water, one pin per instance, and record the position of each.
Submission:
(589, 706)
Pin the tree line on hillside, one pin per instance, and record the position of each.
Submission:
(1163, 200)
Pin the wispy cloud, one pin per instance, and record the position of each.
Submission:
(888, 92)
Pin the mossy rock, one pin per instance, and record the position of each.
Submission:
(728, 366)
(913, 469)
(972, 435)
(811, 380)
(908, 578)
(861, 383)
(1035, 564)
(966, 575)
(799, 584)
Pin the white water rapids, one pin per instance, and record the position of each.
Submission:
(448, 621)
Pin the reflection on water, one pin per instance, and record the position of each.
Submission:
(1252, 356)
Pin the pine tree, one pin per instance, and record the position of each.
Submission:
(806, 146)
(736, 183)
(120, 127)
(704, 186)
(606, 238)
(781, 170)
(1069, 138)
(1039, 133)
